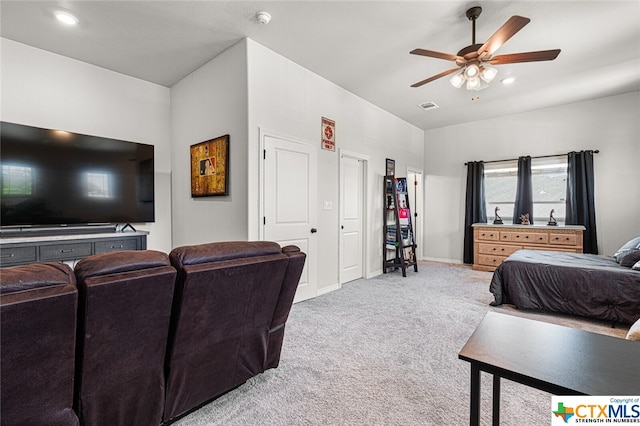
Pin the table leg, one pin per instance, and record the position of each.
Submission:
(496, 400)
(475, 395)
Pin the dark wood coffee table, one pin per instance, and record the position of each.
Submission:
(556, 359)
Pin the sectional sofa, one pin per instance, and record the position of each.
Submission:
(141, 337)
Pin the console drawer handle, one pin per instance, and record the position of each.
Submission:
(66, 251)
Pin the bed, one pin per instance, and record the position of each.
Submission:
(580, 284)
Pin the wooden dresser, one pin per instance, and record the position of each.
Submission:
(493, 243)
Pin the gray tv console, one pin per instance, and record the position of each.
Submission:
(19, 250)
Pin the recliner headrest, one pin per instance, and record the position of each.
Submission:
(120, 261)
(35, 275)
(217, 252)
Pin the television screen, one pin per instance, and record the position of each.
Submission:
(53, 177)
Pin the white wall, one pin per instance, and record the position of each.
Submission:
(42, 89)
(210, 102)
(290, 100)
(609, 124)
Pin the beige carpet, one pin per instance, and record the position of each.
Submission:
(384, 351)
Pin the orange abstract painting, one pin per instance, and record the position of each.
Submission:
(210, 167)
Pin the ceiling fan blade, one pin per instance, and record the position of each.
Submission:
(434, 54)
(435, 77)
(504, 33)
(512, 58)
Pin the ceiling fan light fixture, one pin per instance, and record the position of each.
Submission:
(488, 73)
(471, 71)
(473, 83)
(457, 80)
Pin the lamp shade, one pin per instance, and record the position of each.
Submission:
(488, 73)
(471, 71)
(457, 80)
(473, 83)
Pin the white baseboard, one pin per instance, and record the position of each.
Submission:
(328, 289)
(373, 274)
(437, 259)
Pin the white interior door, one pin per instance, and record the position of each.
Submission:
(351, 218)
(289, 202)
(415, 189)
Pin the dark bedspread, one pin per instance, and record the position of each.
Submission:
(581, 284)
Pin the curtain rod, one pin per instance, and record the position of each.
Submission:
(595, 151)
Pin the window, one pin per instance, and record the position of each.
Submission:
(549, 186)
(500, 180)
(17, 180)
(98, 185)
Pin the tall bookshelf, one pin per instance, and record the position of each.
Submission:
(398, 246)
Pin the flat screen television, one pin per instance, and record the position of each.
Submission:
(55, 178)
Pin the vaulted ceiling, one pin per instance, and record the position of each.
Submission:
(362, 46)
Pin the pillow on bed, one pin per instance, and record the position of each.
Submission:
(634, 331)
(630, 258)
(632, 244)
(636, 267)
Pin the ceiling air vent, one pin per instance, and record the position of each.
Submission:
(428, 106)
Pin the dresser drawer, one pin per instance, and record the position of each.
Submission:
(15, 255)
(524, 237)
(116, 245)
(65, 251)
(487, 235)
(489, 260)
(563, 239)
(497, 249)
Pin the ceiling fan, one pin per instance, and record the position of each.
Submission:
(474, 61)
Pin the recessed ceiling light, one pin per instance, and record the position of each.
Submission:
(66, 18)
(508, 80)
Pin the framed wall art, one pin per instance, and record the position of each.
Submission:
(210, 167)
(391, 167)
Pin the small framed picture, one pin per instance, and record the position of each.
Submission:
(210, 167)
(391, 167)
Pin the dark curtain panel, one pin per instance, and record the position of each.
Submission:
(524, 193)
(475, 211)
(581, 208)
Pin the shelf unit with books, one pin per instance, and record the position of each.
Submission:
(398, 246)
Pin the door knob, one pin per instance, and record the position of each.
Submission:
(314, 230)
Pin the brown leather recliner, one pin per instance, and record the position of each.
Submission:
(38, 306)
(231, 302)
(125, 301)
